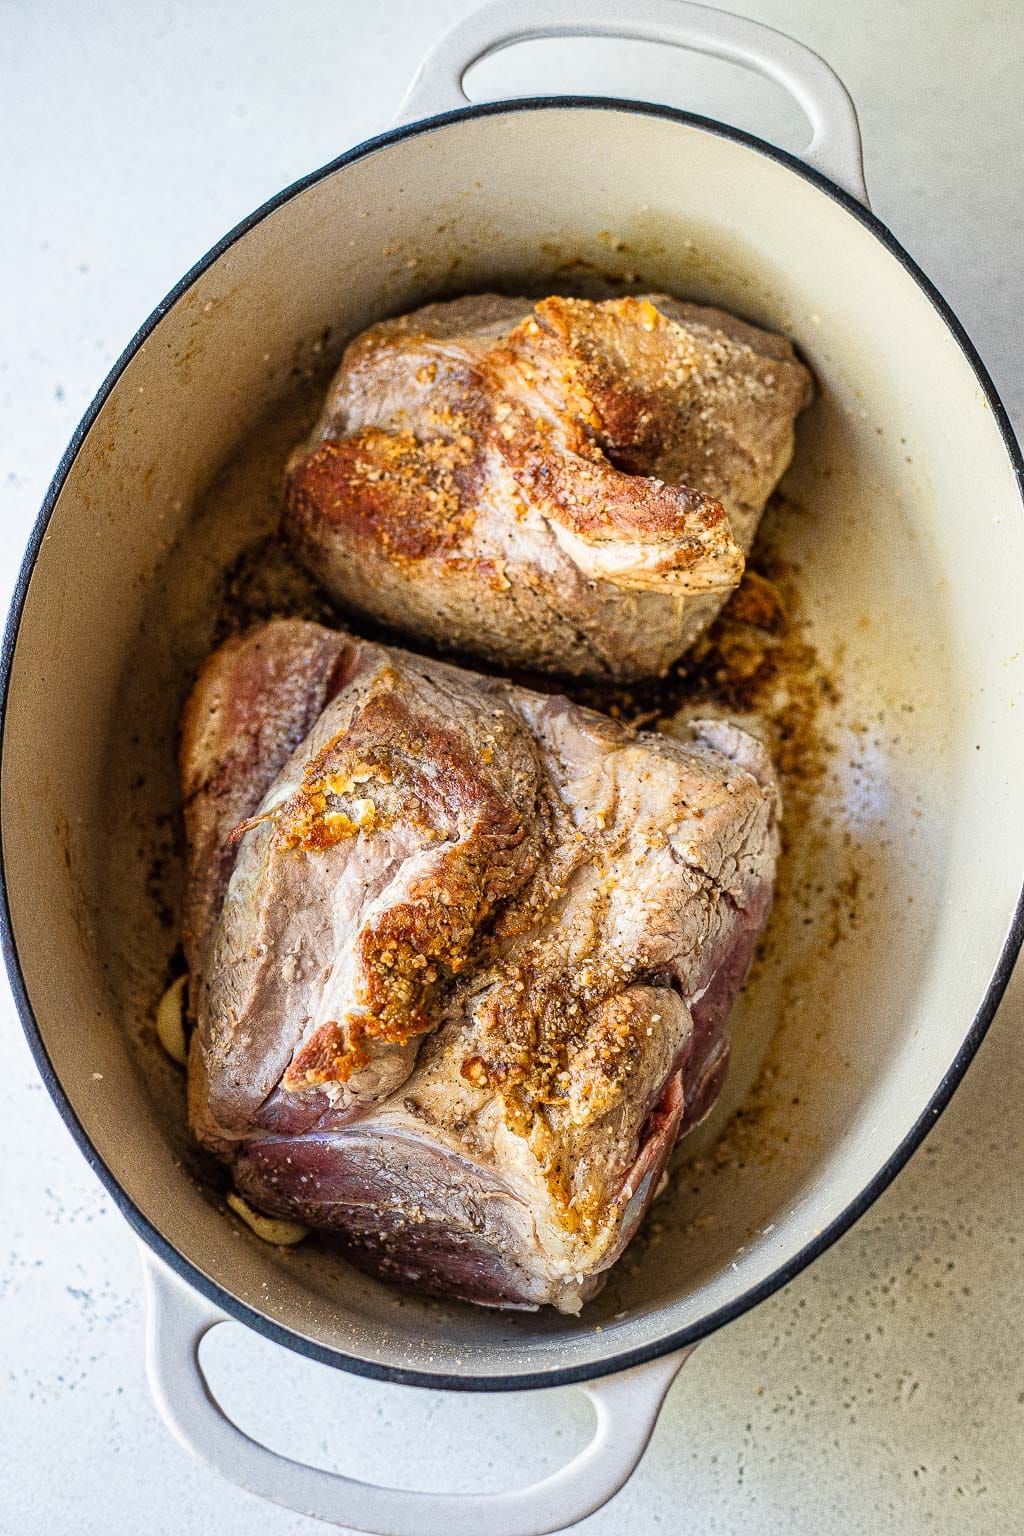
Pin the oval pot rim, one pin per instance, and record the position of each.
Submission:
(145, 1229)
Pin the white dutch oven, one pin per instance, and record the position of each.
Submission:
(911, 547)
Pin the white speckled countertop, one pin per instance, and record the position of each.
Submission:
(881, 1392)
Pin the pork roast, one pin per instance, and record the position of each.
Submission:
(568, 486)
(461, 955)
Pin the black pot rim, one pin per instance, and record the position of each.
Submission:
(225, 1300)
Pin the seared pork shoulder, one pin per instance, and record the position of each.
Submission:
(568, 486)
(461, 955)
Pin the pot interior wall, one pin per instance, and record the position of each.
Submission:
(907, 520)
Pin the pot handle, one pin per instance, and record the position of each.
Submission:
(177, 1320)
(835, 147)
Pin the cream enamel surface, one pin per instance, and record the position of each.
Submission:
(906, 551)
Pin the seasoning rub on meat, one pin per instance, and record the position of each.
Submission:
(461, 955)
(566, 486)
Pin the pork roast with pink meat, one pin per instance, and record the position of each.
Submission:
(461, 954)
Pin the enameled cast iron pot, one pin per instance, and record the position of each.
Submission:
(910, 544)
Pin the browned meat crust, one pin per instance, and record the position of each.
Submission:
(569, 486)
(461, 954)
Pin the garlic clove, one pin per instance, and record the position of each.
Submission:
(170, 1021)
(270, 1228)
